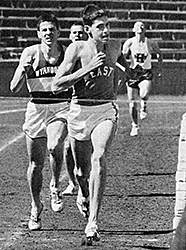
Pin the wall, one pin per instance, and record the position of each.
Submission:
(172, 82)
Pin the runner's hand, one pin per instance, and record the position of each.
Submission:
(97, 60)
(27, 65)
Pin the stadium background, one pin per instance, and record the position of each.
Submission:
(165, 20)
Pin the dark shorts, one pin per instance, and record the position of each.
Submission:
(139, 75)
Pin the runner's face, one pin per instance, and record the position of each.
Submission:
(48, 33)
(139, 28)
(77, 33)
(100, 29)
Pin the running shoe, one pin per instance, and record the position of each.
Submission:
(83, 205)
(134, 130)
(69, 190)
(34, 221)
(91, 234)
(56, 201)
(143, 114)
(92, 231)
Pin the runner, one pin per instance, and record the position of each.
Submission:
(46, 116)
(141, 49)
(93, 114)
(77, 33)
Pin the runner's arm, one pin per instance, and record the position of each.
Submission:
(123, 64)
(122, 60)
(19, 77)
(64, 79)
(126, 46)
(159, 54)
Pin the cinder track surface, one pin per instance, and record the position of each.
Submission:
(138, 204)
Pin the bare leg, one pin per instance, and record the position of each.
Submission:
(36, 153)
(82, 151)
(56, 134)
(132, 96)
(69, 162)
(101, 139)
(144, 87)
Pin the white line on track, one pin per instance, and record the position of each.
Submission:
(15, 139)
(12, 111)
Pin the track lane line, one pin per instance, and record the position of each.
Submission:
(15, 139)
(12, 111)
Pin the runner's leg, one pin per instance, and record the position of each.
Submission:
(101, 139)
(56, 134)
(144, 89)
(132, 96)
(82, 151)
(36, 153)
(69, 163)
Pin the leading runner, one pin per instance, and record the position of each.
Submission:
(93, 115)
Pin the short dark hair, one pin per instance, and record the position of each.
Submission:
(78, 23)
(91, 12)
(47, 17)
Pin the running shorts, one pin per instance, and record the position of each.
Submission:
(38, 116)
(83, 119)
(138, 75)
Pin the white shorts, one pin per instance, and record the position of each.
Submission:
(83, 119)
(38, 116)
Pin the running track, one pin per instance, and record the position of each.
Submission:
(138, 203)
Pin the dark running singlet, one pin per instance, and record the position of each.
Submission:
(98, 84)
(40, 80)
